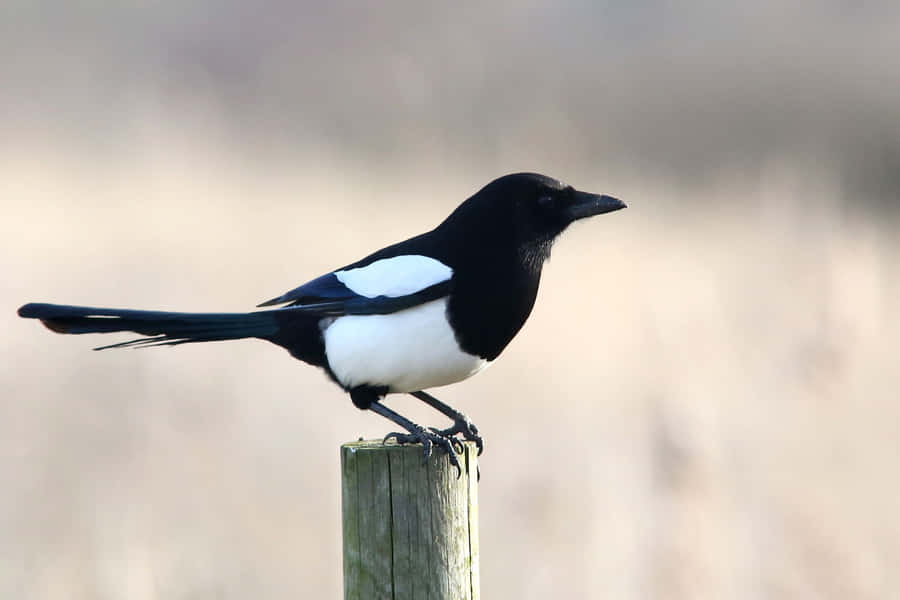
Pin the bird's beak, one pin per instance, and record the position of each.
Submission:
(588, 205)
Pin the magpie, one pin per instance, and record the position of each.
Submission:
(426, 312)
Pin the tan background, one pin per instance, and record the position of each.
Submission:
(704, 403)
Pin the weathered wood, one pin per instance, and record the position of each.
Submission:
(410, 528)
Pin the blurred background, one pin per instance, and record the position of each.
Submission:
(704, 403)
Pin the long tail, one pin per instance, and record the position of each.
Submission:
(161, 328)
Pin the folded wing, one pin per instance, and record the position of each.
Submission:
(380, 287)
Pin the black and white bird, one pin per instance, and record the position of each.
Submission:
(426, 312)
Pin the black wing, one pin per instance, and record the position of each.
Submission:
(327, 296)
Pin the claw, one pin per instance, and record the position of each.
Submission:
(406, 438)
(428, 439)
(457, 444)
(394, 434)
(468, 430)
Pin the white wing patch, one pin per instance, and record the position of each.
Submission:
(397, 276)
(407, 351)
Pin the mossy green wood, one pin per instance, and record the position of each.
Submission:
(410, 528)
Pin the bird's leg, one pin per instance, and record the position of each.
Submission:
(418, 434)
(461, 423)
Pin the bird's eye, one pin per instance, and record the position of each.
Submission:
(545, 201)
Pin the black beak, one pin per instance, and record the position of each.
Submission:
(588, 205)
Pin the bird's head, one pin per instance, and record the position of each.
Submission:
(534, 209)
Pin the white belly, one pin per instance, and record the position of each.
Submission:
(406, 351)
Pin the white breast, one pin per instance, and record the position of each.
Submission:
(406, 351)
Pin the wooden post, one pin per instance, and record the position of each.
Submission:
(410, 528)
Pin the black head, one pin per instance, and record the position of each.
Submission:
(531, 208)
(496, 242)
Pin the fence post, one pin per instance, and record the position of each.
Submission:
(410, 528)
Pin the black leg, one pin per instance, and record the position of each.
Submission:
(461, 423)
(417, 434)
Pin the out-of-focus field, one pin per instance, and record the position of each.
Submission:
(704, 403)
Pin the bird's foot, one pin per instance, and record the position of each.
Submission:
(429, 439)
(467, 428)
